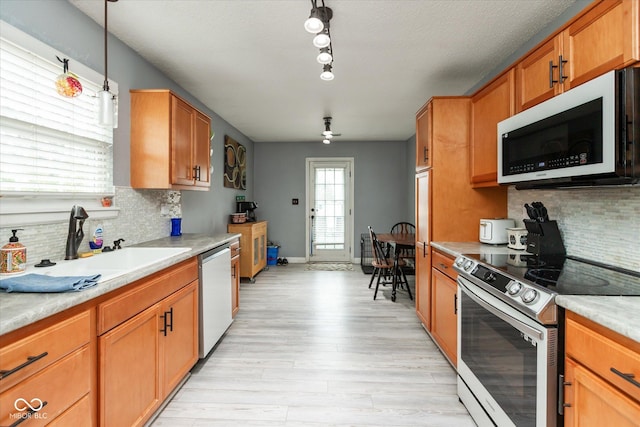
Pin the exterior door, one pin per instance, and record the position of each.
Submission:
(329, 208)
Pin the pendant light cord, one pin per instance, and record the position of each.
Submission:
(105, 86)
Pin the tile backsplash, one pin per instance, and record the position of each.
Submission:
(600, 224)
(139, 220)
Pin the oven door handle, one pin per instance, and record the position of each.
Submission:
(522, 327)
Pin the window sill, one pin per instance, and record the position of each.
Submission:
(16, 211)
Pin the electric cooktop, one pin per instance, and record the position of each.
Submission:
(564, 275)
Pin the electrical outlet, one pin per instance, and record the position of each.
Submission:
(164, 209)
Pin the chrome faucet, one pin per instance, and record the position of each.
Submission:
(75, 236)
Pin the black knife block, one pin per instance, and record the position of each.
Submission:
(544, 238)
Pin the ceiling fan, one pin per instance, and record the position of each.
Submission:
(327, 133)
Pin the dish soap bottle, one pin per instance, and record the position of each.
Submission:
(13, 256)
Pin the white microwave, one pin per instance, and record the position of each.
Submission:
(589, 135)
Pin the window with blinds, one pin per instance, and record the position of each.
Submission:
(49, 143)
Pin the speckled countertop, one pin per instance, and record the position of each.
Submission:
(21, 309)
(620, 314)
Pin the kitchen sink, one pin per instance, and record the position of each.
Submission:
(111, 264)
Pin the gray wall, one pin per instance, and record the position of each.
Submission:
(62, 26)
(383, 186)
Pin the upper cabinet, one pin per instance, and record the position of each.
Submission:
(494, 103)
(605, 37)
(169, 142)
(424, 137)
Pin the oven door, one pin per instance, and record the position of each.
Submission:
(506, 362)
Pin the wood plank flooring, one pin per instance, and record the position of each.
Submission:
(312, 348)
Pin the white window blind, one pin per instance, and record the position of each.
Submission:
(49, 143)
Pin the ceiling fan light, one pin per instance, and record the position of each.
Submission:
(324, 57)
(322, 39)
(327, 134)
(326, 141)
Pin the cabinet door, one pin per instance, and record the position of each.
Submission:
(423, 284)
(179, 336)
(235, 284)
(491, 105)
(129, 374)
(444, 313)
(202, 147)
(423, 202)
(181, 142)
(592, 402)
(605, 38)
(537, 75)
(424, 137)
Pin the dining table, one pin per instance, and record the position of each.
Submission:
(398, 241)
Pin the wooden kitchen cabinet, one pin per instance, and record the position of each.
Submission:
(423, 259)
(448, 209)
(489, 106)
(170, 142)
(604, 37)
(54, 365)
(235, 277)
(594, 394)
(423, 284)
(253, 241)
(148, 343)
(424, 137)
(444, 310)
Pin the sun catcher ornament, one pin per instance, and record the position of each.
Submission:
(67, 83)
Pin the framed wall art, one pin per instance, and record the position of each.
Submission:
(235, 164)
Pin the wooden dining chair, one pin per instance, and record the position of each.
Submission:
(383, 265)
(408, 255)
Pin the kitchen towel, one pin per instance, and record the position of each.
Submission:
(42, 283)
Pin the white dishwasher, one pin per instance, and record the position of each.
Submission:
(215, 296)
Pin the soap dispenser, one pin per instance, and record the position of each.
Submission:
(13, 256)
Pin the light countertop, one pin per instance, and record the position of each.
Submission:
(21, 309)
(621, 314)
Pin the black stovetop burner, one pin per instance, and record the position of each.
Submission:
(565, 275)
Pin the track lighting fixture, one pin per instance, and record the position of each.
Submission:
(318, 23)
(327, 73)
(325, 56)
(107, 101)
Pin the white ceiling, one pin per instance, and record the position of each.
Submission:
(252, 62)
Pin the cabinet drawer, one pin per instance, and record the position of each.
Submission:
(444, 264)
(33, 353)
(602, 353)
(77, 415)
(150, 290)
(235, 248)
(59, 385)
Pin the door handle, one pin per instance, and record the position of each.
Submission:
(561, 76)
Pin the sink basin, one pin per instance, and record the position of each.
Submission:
(111, 264)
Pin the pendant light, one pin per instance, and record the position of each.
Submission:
(107, 101)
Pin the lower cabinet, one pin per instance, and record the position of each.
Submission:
(602, 369)
(145, 356)
(423, 284)
(444, 306)
(46, 376)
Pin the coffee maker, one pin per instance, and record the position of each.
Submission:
(248, 208)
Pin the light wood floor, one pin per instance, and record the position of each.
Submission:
(312, 348)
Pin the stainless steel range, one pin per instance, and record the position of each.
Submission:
(509, 331)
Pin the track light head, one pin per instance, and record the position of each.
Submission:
(325, 57)
(326, 74)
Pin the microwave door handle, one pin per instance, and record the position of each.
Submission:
(522, 327)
